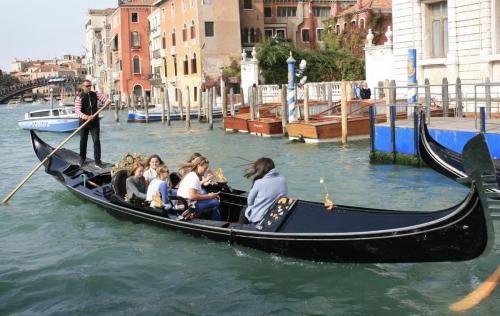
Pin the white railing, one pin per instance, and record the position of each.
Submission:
(318, 91)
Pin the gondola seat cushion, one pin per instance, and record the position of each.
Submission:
(119, 183)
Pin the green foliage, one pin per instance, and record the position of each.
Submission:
(331, 63)
(401, 159)
(272, 55)
(232, 70)
(7, 80)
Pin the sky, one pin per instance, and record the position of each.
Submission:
(40, 29)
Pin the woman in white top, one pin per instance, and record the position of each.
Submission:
(159, 185)
(154, 161)
(190, 189)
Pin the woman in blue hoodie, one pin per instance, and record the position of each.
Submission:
(268, 186)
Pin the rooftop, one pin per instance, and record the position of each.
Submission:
(366, 5)
(102, 12)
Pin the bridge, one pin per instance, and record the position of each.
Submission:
(19, 88)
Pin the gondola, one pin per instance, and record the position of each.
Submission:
(298, 228)
(442, 159)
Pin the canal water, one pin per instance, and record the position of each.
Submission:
(60, 255)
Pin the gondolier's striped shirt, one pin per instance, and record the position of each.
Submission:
(78, 104)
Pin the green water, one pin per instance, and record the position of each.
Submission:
(62, 256)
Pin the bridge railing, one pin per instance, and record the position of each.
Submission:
(9, 92)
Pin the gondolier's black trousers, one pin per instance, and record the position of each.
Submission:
(94, 129)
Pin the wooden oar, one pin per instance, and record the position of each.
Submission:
(7, 198)
(476, 296)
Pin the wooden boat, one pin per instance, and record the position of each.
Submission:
(297, 228)
(267, 123)
(327, 125)
(266, 126)
(442, 159)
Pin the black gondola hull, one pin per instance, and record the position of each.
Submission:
(455, 234)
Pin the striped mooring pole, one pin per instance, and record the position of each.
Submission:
(292, 112)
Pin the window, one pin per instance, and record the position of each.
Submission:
(174, 59)
(185, 64)
(194, 68)
(244, 35)
(438, 19)
(268, 33)
(286, 11)
(134, 17)
(209, 29)
(247, 4)
(172, 9)
(193, 31)
(164, 61)
(268, 12)
(305, 35)
(195, 94)
(280, 33)
(362, 24)
(337, 29)
(163, 42)
(353, 24)
(319, 35)
(184, 33)
(252, 35)
(114, 45)
(207, 1)
(345, 27)
(173, 37)
(136, 40)
(322, 11)
(136, 67)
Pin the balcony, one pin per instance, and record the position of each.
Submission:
(172, 50)
(156, 54)
(155, 79)
(163, 53)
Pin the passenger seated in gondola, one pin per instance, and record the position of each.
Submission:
(268, 186)
(190, 189)
(154, 162)
(136, 184)
(159, 185)
(207, 177)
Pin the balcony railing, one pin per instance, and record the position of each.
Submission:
(155, 79)
(156, 54)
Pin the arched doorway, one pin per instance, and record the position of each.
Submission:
(138, 91)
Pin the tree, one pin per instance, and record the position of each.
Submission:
(7, 80)
(331, 63)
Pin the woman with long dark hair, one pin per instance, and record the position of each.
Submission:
(267, 187)
(154, 161)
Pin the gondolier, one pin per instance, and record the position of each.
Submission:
(86, 107)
